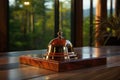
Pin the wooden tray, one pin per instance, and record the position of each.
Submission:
(62, 65)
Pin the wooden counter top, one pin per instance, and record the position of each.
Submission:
(11, 69)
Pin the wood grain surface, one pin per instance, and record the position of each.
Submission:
(11, 69)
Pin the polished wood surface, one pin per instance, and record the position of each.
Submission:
(78, 62)
(11, 69)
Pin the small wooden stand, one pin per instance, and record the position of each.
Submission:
(66, 65)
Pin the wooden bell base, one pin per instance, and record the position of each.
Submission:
(62, 65)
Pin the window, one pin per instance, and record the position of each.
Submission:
(31, 23)
(89, 9)
(65, 17)
(89, 12)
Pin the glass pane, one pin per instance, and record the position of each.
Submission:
(31, 24)
(86, 22)
(65, 18)
(109, 6)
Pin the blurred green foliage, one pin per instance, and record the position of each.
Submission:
(86, 31)
(32, 26)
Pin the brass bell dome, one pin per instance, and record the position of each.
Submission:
(59, 49)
